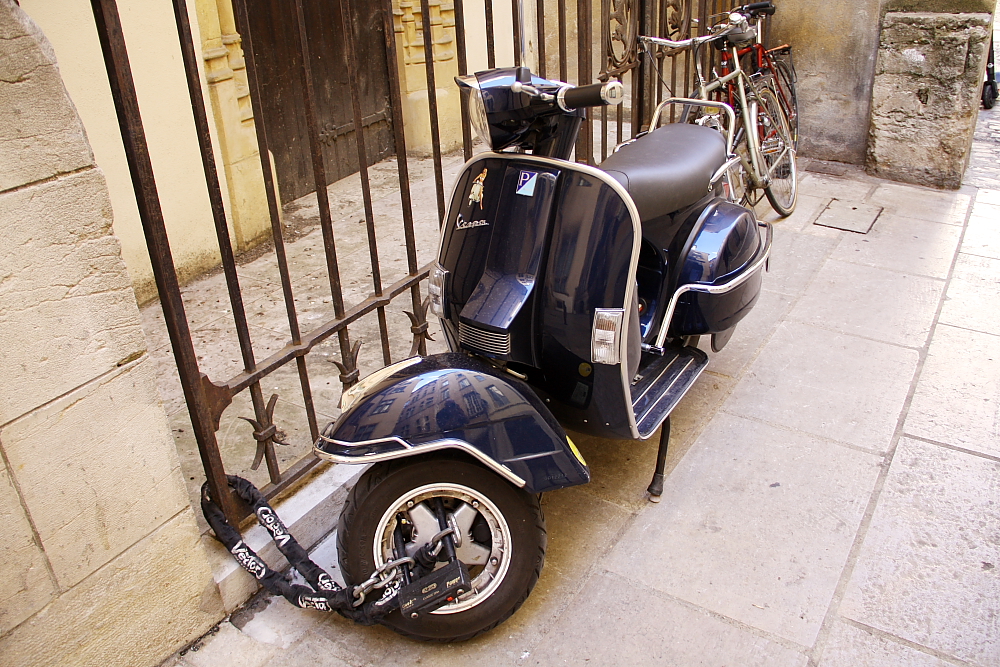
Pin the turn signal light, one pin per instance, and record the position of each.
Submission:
(435, 289)
(605, 344)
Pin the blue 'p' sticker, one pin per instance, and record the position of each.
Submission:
(526, 183)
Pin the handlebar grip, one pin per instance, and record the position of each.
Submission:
(760, 8)
(594, 95)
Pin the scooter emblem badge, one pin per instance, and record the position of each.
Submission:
(478, 187)
(526, 183)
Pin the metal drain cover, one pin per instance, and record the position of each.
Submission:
(849, 216)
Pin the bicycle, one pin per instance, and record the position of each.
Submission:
(775, 63)
(759, 136)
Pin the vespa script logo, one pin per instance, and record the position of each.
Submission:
(462, 223)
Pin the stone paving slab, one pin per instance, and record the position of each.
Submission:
(795, 259)
(957, 399)
(903, 244)
(829, 384)
(644, 627)
(866, 301)
(973, 299)
(982, 236)
(852, 645)
(755, 524)
(928, 571)
(922, 203)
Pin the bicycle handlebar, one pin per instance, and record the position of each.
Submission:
(757, 8)
(752, 10)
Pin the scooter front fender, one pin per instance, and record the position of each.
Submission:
(454, 402)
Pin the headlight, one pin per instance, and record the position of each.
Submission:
(477, 112)
(351, 396)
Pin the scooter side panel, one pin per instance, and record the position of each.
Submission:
(493, 246)
(453, 401)
(591, 249)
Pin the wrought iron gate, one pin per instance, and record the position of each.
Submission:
(605, 48)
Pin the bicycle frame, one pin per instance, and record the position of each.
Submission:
(762, 61)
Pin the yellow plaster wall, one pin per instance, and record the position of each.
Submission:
(155, 58)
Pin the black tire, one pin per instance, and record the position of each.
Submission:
(989, 94)
(387, 486)
(784, 80)
(778, 152)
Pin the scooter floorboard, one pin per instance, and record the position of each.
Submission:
(663, 382)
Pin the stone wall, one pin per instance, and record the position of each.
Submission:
(926, 96)
(101, 562)
(834, 44)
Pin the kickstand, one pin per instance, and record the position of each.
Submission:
(655, 489)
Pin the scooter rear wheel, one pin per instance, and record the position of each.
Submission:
(503, 538)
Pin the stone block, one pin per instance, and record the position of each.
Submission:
(25, 585)
(928, 570)
(853, 392)
(844, 297)
(853, 646)
(41, 134)
(136, 610)
(97, 470)
(642, 627)
(957, 400)
(67, 309)
(756, 524)
(926, 96)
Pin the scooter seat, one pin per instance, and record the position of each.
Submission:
(669, 168)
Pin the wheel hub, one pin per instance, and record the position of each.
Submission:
(482, 536)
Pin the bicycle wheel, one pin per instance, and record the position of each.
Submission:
(784, 80)
(778, 152)
(740, 185)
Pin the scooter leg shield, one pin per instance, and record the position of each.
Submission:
(456, 402)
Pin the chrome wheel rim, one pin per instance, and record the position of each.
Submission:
(466, 509)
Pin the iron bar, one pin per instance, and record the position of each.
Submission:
(293, 350)
(585, 142)
(402, 168)
(432, 106)
(515, 11)
(189, 58)
(463, 69)
(347, 20)
(540, 40)
(273, 206)
(563, 57)
(123, 93)
(491, 51)
(606, 48)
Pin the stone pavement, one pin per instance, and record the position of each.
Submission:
(833, 488)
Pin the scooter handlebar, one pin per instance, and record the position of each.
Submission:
(594, 95)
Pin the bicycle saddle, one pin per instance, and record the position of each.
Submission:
(669, 168)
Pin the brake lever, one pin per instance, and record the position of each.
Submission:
(528, 89)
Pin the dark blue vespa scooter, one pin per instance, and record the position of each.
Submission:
(571, 297)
